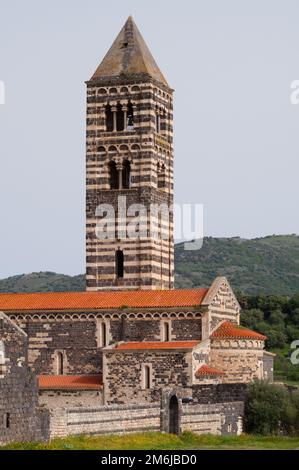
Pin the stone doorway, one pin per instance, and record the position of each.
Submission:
(173, 415)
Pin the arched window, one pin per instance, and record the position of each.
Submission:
(109, 118)
(119, 264)
(130, 117)
(103, 334)
(161, 173)
(119, 118)
(59, 363)
(113, 175)
(147, 382)
(166, 331)
(126, 175)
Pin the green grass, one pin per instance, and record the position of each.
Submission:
(158, 441)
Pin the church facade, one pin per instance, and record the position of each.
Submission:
(132, 353)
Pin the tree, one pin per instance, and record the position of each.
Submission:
(269, 409)
(276, 318)
(251, 317)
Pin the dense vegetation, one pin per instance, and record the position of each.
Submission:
(278, 318)
(158, 441)
(268, 265)
(271, 410)
(42, 282)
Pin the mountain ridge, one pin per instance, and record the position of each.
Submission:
(267, 265)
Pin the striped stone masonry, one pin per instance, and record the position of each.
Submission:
(129, 153)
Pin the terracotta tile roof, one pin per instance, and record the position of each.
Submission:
(207, 370)
(231, 330)
(157, 345)
(70, 382)
(102, 300)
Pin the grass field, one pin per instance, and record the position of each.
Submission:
(157, 441)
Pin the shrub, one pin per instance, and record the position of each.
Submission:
(271, 409)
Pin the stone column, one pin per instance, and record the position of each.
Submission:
(158, 123)
(119, 167)
(114, 111)
(125, 110)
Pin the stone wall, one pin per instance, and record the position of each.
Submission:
(220, 393)
(78, 338)
(66, 398)
(123, 374)
(223, 305)
(185, 330)
(150, 330)
(240, 360)
(218, 418)
(223, 417)
(20, 417)
(105, 420)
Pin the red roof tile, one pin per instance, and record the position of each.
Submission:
(207, 370)
(101, 300)
(157, 345)
(70, 382)
(232, 330)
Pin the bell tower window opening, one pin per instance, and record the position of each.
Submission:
(126, 175)
(109, 118)
(119, 264)
(161, 176)
(130, 117)
(113, 175)
(119, 118)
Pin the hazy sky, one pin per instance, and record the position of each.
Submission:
(236, 132)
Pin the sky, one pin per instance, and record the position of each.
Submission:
(231, 64)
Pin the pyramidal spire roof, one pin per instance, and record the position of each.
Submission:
(129, 54)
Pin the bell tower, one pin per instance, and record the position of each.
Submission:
(129, 169)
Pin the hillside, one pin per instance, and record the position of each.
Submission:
(268, 265)
(42, 282)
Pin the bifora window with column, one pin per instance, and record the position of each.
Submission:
(119, 117)
(120, 174)
(161, 175)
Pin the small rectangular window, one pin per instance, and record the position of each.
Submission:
(147, 377)
(119, 264)
(103, 334)
(7, 420)
(166, 331)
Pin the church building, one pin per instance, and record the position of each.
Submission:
(132, 353)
